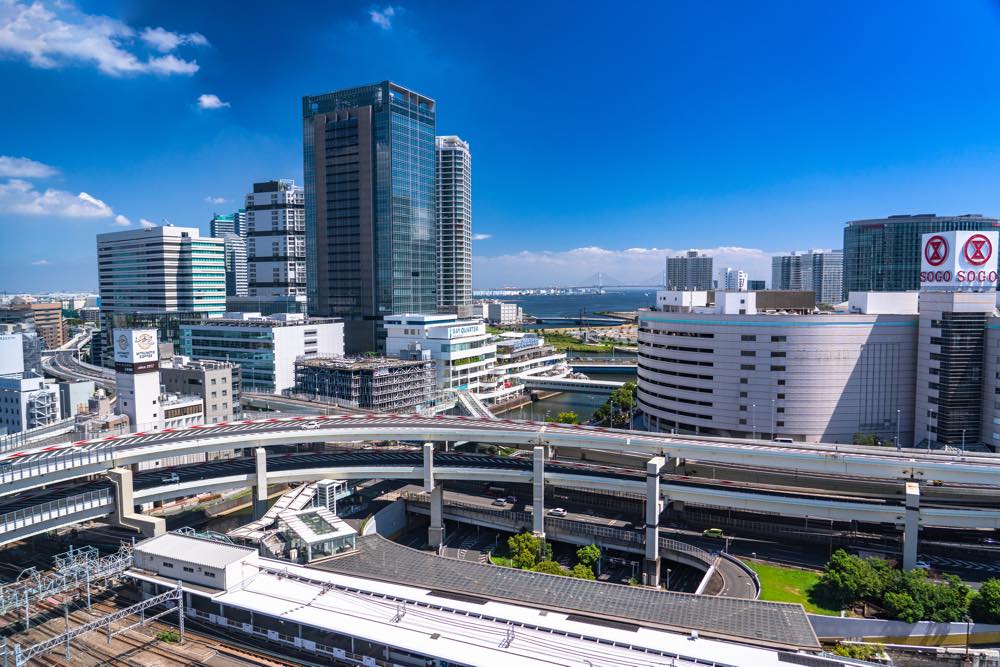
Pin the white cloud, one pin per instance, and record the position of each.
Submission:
(122, 221)
(481, 237)
(165, 41)
(147, 224)
(20, 197)
(50, 39)
(626, 266)
(22, 167)
(383, 17)
(209, 101)
(40, 262)
(215, 200)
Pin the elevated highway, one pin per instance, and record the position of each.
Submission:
(45, 465)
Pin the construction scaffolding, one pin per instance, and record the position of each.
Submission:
(381, 384)
(42, 408)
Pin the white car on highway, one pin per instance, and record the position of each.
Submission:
(557, 511)
(310, 426)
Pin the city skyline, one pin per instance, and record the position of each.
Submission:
(766, 160)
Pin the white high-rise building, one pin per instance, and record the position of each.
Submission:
(454, 225)
(733, 280)
(236, 265)
(276, 240)
(159, 277)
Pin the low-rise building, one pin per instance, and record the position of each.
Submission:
(501, 313)
(27, 401)
(216, 382)
(380, 384)
(264, 347)
(463, 353)
(520, 355)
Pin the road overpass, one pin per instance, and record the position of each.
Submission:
(33, 513)
(570, 385)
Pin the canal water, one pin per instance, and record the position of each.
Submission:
(583, 405)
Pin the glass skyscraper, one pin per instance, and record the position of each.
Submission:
(371, 245)
(883, 255)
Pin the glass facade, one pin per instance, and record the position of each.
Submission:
(883, 255)
(371, 243)
(252, 349)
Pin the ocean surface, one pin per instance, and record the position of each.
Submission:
(570, 305)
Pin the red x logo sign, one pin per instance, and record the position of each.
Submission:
(936, 250)
(978, 250)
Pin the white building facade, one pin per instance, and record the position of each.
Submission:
(454, 225)
(276, 240)
(464, 354)
(27, 402)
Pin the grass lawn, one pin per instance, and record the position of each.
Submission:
(789, 584)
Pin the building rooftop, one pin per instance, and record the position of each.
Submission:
(206, 552)
(766, 623)
(256, 320)
(922, 217)
(358, 363)
(316, 524)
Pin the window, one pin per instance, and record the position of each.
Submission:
(210, 575)
(166, 564)
(188, 569)
(747, 367)
(748, 338)
(744, 380)
(743, 422)
(743, 394)
(779, 339)
(777, 354)
(777, 368)
(743, 408)
(780, 396)
(213, 380)
(780, 423)
(748, 353)
(781, 383)
(781, 409)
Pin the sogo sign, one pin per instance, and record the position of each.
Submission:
(959, 260)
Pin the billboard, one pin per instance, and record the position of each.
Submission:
(135, 346)
(959, 261)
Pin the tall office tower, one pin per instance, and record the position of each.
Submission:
(733, 280)
(236, 264)
(454, 226)
(786, 272)
(159, 278)
(883, 255)
(690, 271)
(823, 273)
(370, 215)
(276, 241)
(820, 271)
(230, 223)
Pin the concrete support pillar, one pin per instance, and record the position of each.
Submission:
(124, 515)
(435, 533)
(538, 491)
(428, 466)
(651, 569)
(260, 484)
(911, 526)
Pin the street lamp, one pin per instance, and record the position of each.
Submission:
(772, 419)
(963, 442)
(968, 631)
(668, 578)
(897, 430)
(754, 419)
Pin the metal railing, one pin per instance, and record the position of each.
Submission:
(12, 472)
(22, 438)
(36, 514)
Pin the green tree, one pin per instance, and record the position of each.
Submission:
(904, 607)
(549, 567)
(526, 550)
(588, 555)
(985, 605)
(866, 439)
(565, 418)
(581, 571)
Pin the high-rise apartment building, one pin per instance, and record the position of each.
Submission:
(733, 280)
(45, 318)
(276, 242)
(236, 264)
(231, 223)
(454, 225)
(158, 278)
(690, 271)
(819, 271)
(369, 165)
(883, 254)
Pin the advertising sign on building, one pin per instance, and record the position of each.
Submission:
(959, 261)
(136, 348)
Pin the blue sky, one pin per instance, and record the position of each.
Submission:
(604, 135)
